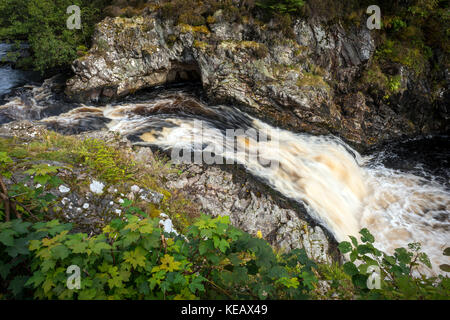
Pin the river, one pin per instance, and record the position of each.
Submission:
(10, 77)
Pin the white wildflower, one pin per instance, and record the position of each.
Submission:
(135, 189)
(64, 189)
(97, 187)
(168, 226)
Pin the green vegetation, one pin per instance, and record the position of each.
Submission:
(134, 259)
(109, 163)
(284, 6)
(21, 199)
(104, 161)
(396, 272)
(42, 24)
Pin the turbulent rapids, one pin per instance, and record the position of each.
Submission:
(341, 189)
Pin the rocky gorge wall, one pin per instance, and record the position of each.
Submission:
(321, 81)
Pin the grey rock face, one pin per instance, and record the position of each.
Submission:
(218, 193)
(302, 84)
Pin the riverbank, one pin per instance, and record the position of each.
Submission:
(10, 77)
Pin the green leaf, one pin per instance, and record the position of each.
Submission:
(360, 280)
(308, 279)
(17, 285)
(240, 275)
(197, 284)
(88, 294)
(77, 245)
(130, 238)
(403, 255)
(4, 158)
(35, 280)
(41, 179)
(99, 246)
(60, 252)
(367, 236)
(354, 255)
(364, 249)
(20, 227)
(223, 245)
(350, 268)
(354, 241)
(47, 265)
(389, 259)
(423, 257)
(20, 248)
(7, 237)
(205, 246)
(345, 247)
(136, 257)
(34, 245)
(447, 252)
(5, 269)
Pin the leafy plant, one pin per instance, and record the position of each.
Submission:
(21, 199)
(108, 162)
(134, 259)
(42, 24)
(399, 274)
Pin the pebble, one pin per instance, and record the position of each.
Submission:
(64, 189)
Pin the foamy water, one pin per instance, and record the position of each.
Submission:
(342, 190)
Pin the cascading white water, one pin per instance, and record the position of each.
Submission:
(338, 187)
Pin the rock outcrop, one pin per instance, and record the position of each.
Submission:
(314, 83)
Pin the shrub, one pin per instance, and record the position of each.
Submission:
(42, 23)
(108, 163)
(22, 200)
(134, 259)
(396, 272)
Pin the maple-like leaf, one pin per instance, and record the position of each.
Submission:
(136, 257)
(169, 264)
